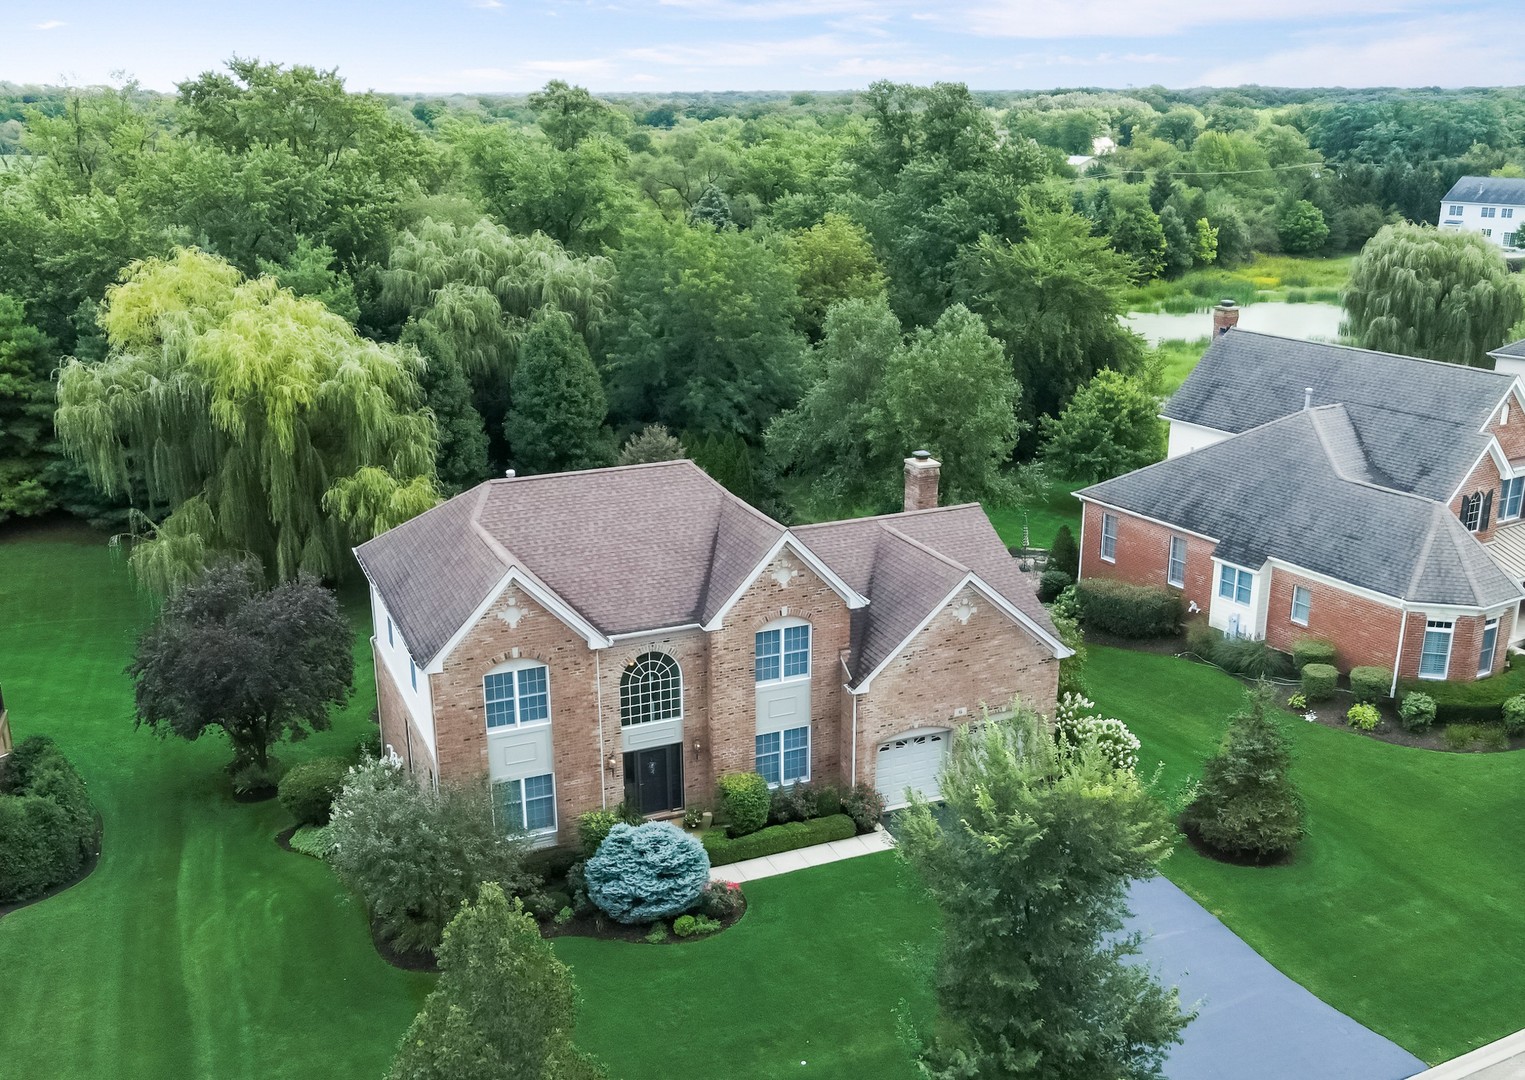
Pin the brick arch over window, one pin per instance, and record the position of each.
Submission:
(651, 688)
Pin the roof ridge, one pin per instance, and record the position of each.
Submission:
(484, 534)
(516, 479)
(1370, 352)
(1466, 567)
(1424, 551)
(954, 563)
(893, 514)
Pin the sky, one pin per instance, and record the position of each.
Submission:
(441, 46)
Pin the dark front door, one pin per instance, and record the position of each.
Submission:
(654, 778)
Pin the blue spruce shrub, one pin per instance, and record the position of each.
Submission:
(642, 873)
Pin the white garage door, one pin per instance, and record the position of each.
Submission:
(911, 761)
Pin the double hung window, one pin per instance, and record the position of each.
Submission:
(783, 757)
(517, 697)
(1234, 584)
(1435, 654)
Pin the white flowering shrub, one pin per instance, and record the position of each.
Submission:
(1076, 722)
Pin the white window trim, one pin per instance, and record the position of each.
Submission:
(1439, 626)
(516, 666)
(1504, 514)
(1102, 544)
(678, 718)
(780, 625)
(1180, 582)
(555, 818)
(1293, 615)
(1495, 623)
(809, 747)
(1239, 571)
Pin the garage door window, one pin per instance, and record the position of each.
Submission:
(783, 757)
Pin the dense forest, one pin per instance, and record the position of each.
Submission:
(269, 315)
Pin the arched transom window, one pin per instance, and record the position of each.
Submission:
(651, 689)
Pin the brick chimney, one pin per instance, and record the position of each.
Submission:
(1225, 316)
(922, 472)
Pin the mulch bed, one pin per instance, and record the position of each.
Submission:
(85, 871)
(283, 840)
(609, 930)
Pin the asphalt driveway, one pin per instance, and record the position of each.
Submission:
(1254, 1023)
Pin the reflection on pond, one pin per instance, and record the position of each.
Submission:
(1312, 322)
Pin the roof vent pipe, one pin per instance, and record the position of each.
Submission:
(1307, 397)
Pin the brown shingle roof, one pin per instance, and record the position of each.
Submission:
(643, 547)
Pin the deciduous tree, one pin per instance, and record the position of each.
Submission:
(1442, 295)
(258, 665)
(1110, 427)
(556, 421)
(1030, 866)
(247, 408)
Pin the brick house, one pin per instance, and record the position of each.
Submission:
(633, 633)
(1314, 490)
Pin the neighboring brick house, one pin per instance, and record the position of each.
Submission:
(633, 633)
(1316, 490)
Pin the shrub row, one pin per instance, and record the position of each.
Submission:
(1369, 685)
(778, 838)
(308, 790)
(1479, 702)
(747, 800)
(1128, 611)
(806, 802)
(1250, 657)
(47, 820)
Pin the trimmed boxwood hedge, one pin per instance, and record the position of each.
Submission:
(1128, 611)
(47, 820)
(1478, 702)
(1369, 685)
(777, 838)
(1309, 650)
(1319, 681)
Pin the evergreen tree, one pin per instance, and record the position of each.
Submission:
(1030, 866)
(26, 415)
(1065, 553)
(1180, 244)
(1442, 295)
(556, 421)
(504, 1007)
(712, 209)
(461, 460)
(1161, 188)
(1246, 804)
(652, 443)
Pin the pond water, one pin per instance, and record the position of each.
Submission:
(1312, 322)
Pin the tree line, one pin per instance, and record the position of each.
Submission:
(269, 316)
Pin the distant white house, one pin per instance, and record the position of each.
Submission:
(1491, 206)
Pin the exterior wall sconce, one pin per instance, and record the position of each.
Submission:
(697, 747)
(610, 764)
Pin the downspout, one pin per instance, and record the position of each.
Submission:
(1403, 624)
(598, 697)
(853, 772)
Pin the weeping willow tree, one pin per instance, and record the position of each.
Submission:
(479, 285)
(260, 420)
(1441, 295)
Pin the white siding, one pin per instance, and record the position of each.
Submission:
(1251, 617)
(1184, 438)
(1471, 220)
(398, 664)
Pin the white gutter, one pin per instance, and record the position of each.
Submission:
(1403, 625)
(656, 632)
(598, 696)
(853, 773)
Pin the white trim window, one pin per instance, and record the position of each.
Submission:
(1109, 537)
(1175, 569)
(1489, 211)
(1507, 212)
(1435, 653)
(1455, 211)
(1302, 605)
(1510, 494)
(783, 757)
(651, 689)
(527, 805)
(517, 696)
(1490, 648)
(783, 652)
(1235, 584)
(1487, 232)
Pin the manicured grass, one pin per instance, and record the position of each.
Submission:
(1265, 277)
(807, 984)
(1403, 907)
(198, 948)
(1177, 358)
(1060, 507)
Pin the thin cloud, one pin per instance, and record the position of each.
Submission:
(51, 24)
(1413, 54)
(1159, 18)
(765, 10)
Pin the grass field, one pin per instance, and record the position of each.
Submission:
(1287, 278)
(1402, 908)
(197, 948)
(1043, 518)
(807, 984)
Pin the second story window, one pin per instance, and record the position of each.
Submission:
(783, 652)
(1489, 211)
(651, 689)
(1510, 493)
(1507, 212)
(517, 696)
(1476, 510)
(1454, 210)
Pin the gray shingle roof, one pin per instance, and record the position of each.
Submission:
(1293, 490)
(649, 546)
(1487, 189)
(1514, 350)
(1419, 422)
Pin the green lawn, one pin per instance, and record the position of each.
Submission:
(807, 984)
(1403, 906)
(197, 948)
(1043, 518)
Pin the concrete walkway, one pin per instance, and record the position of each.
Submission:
(799, 859)
(1502, 1060)
(1254, 1023)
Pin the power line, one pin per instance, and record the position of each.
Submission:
(1202, 172)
